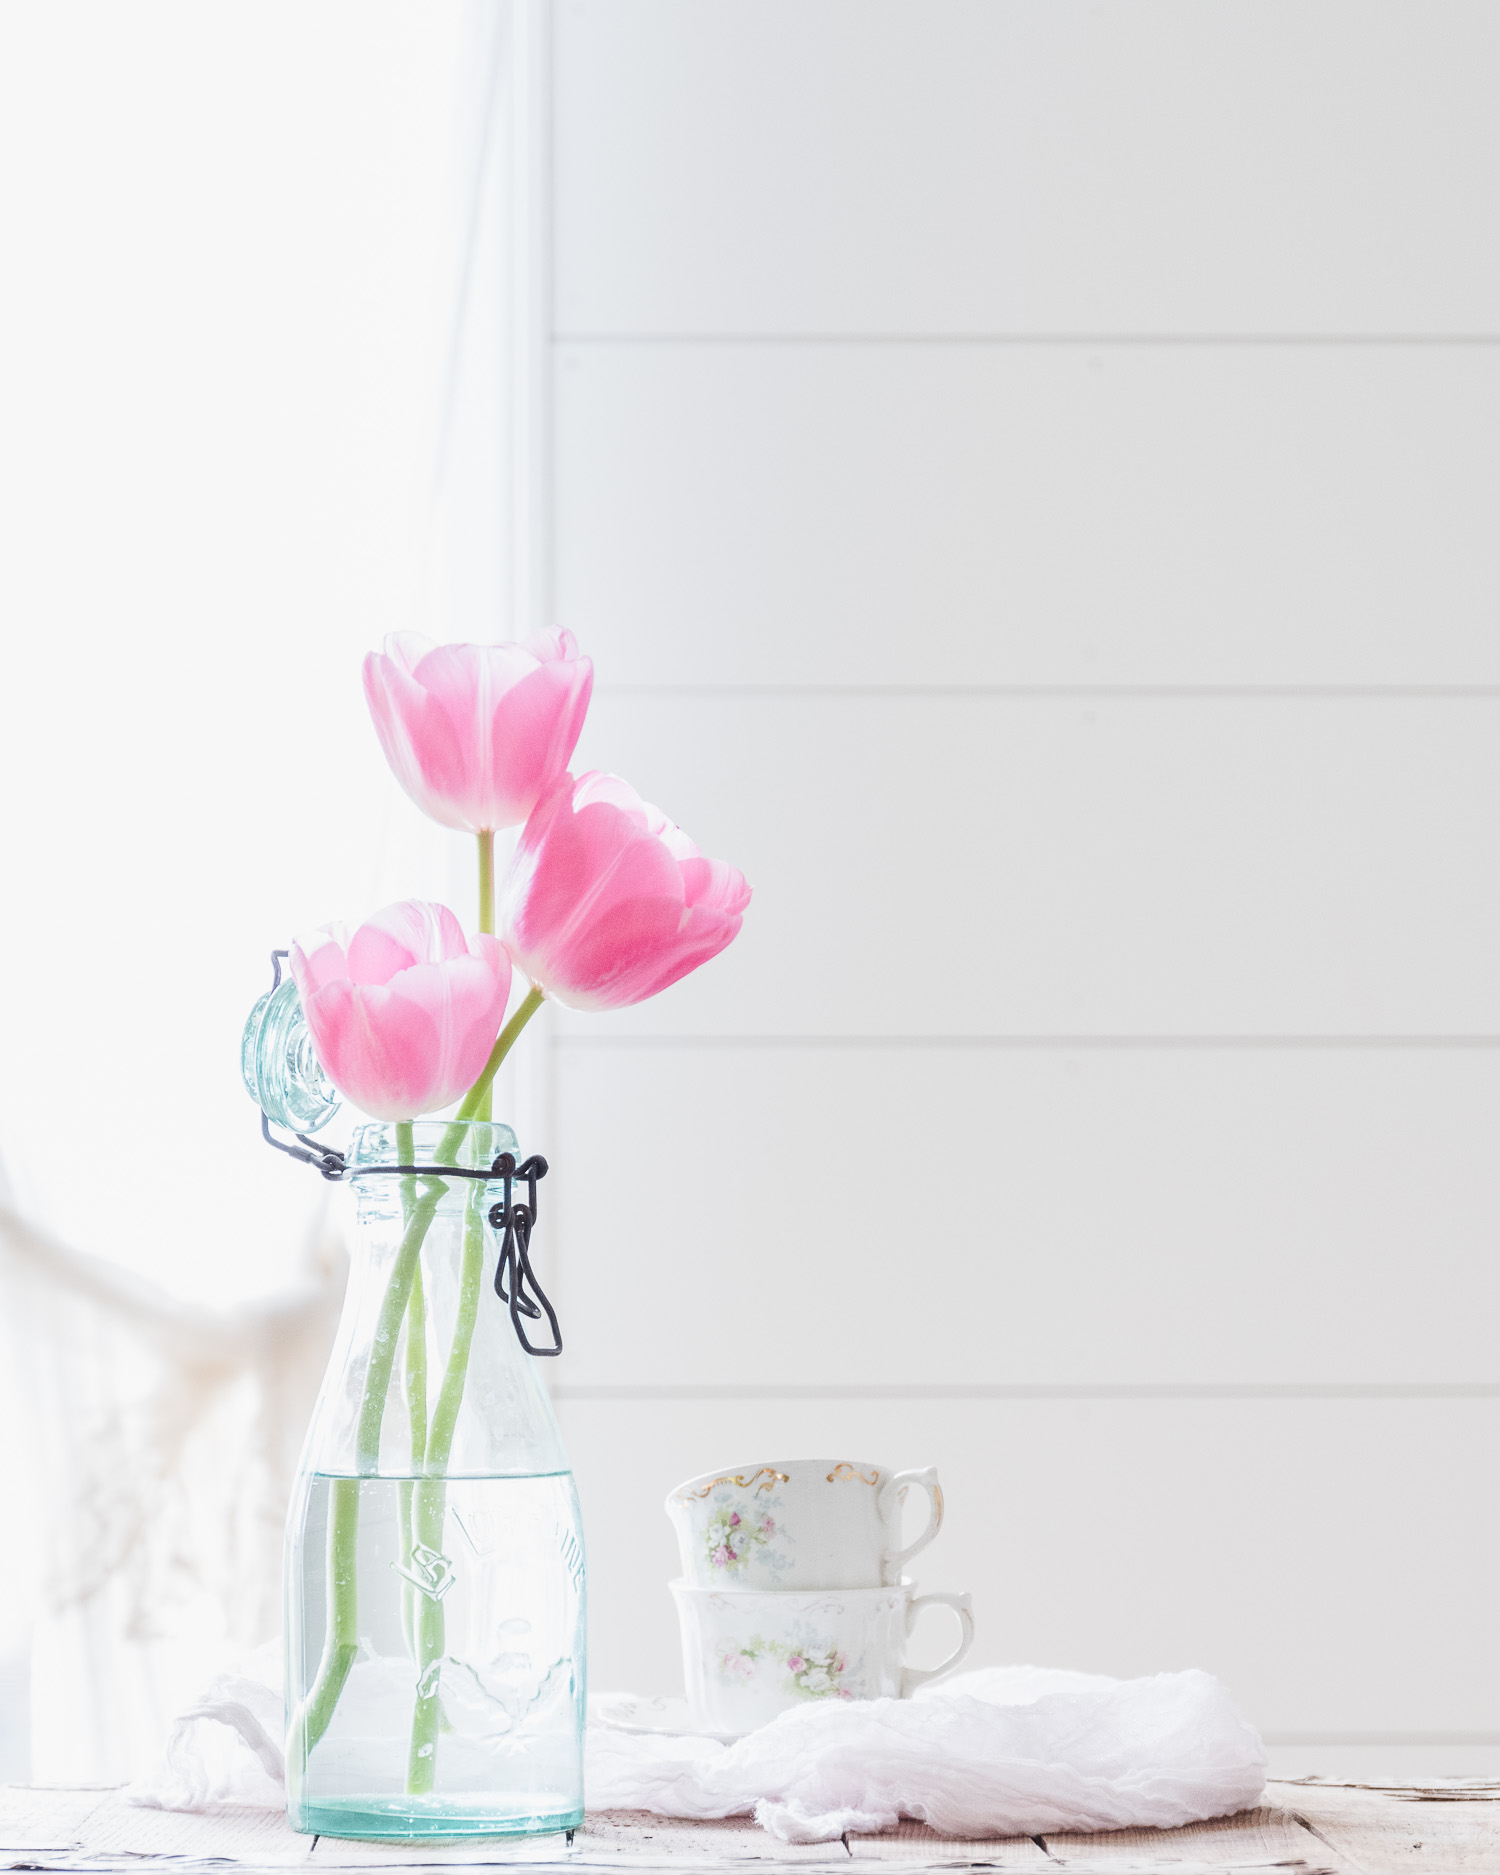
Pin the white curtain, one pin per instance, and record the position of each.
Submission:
(163, 1438)
(255, 388)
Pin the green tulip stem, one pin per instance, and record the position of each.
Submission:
(430, 1498)
(479, 1092)
(487, 881)
(416, 1410)
(430, 1502)
(483, 1109)
(393, 1306)
(341, 1642)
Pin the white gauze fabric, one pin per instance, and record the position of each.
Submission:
(1007, 1751)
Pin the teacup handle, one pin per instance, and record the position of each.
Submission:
(927, 1478)
(962, 1605)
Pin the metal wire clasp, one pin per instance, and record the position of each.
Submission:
(517, 1219)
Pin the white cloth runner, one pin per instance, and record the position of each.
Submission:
(1008, 1751)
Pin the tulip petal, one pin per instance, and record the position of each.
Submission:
(551, 647)
(405, 1023)
(418, 739)
(379, 1050)
(536, 726)
(713, 884)
(376, 954)
(407, 649)
(459, 1000)
(475, 734)
(319, 958)
(606, 901)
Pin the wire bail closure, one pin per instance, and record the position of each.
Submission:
(518, 1220)
(515, 1279)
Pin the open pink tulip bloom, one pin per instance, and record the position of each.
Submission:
(403, 1014)
(476, 733)
(606, 902)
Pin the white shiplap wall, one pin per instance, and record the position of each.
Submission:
(1027, 471)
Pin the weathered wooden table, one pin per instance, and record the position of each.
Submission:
(1307, 1826)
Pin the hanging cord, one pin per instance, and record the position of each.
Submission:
(515, 1218)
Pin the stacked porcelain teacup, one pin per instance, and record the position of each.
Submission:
(792, 1587)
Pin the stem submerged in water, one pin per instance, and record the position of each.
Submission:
(311, 1719)
(430, 1501)
(416, 1408)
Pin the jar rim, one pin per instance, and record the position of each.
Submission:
(481, 1143)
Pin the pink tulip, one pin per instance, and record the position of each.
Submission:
(477, 733)
(404, 1014)
(606, 902)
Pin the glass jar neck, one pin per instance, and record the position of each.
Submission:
(380, 1146)
(429, 1377)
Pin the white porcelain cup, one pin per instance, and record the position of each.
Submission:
(750, 1654)
(799, 1523)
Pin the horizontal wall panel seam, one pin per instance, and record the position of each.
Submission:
(1061, 1391)
(1322, 341)
(1048, 693)
(1042, 1043)
(1371, 1738)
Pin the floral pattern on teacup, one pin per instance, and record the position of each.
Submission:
(738, 1528)
(730, 1536)
(819, 1674)
(811, 1672)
